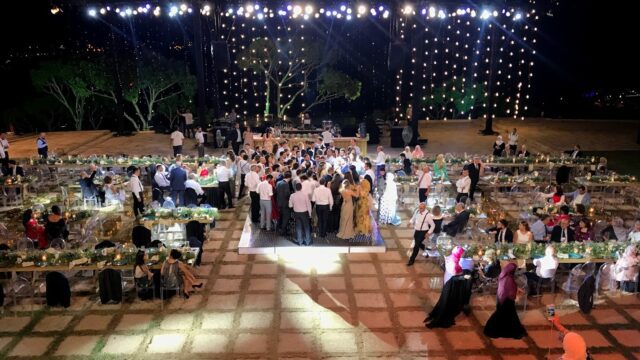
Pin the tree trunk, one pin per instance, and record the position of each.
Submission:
(488, 125)
(199, 61)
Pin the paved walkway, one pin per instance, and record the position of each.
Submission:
(356, 306)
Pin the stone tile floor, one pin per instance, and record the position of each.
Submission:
(356, 306)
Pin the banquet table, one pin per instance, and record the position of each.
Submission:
(340, 142)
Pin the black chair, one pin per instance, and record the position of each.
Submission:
(562, 176)
(141, 236)
(195, 228)
(190, 197)
(105, 244)
(156, 194)
(58, 290)
(110, 282)
(156, 244)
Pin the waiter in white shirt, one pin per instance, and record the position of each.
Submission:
(188, 122)
(513, 141)
(327, 138)
(176, 141)
(301, 205)
(463, 185)
(265, 192)
(191, 183)
(137, 191)
(422, 222)
(224, 175)
(253, 179)
(324, 202)
(424, 183)
(200, 141)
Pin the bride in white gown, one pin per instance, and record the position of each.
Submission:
(388, 203)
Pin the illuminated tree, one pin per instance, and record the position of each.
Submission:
(453, 100)
(333, 85)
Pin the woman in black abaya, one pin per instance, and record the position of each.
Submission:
(504, 322)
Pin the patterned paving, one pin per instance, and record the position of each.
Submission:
(355, 306)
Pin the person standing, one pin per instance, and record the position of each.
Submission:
(475, 169)
(462, 186)
(504, 322)
(200, 141)
(301, 205)
(224, 176)
(323, 199)
(422, 222)
(513, 141)
(327, 138)
(245, 168)
(253, 179)
(235, 138)
(137, 191)
(4, 143)
(381, 158)
(283, 193)
(177, 178)
(265, 192)
(348, 192)
(424, 183)
(41, 144)
(176, 141)
(188, 122)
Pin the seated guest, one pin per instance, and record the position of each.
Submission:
(501, 232)
(542, 228)
(458, 223)
(191, 183)
(13, 169)
(89, 189)
(142, 276)
(634, 235)
(522, 153)
(406, 166)
(545, 269)
(111, 193)
(176, 274)
(626, 269)
(580, 196)
(490, 265)
(609, 233)
(557, 196)
(56, 225)
(524, 234)
(601, 169)
(562, 233)
(498, 146)
(33, 230)
(575, 153)
(162, 178)
(417, 152)
(583, 232)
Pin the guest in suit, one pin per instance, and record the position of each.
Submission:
(580, 196)
(501, 232)
(498, 146)
(476, 169)
(177, 178)
(13, 169)
(562, 232)
(234, 136)
(283, 193)
(458, 223)
(575, 153)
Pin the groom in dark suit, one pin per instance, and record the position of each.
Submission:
(283, 193)
(234, 136)
(458, 223)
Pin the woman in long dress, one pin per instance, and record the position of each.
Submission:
(363, 209)
(440, 168)
(504, 322)
(348, 193)
(388, 204)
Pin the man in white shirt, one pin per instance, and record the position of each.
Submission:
(301, 205)
(191, 183)
(324, 202)
(137, 191)
(245, 167)
(380, 160)
(265, 192)
(188, 122)
(422, 222)
(545, 269)
(200, 141)
(253, 179)
(307, 186)
(463, 185)
(4, 144)
(224, 175)
(513, 141)
(634, 235)
(176, 141)
(161, 178)
(424, 183)
(327, 138)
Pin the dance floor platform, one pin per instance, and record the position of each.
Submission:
(256, 241)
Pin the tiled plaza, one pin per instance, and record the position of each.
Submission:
(355, 306)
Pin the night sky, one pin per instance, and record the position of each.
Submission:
(586, 46)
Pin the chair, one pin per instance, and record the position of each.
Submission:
(57, 243)
(25, 244)
(576, 278)
(170, 281)
(522, 284)
(605, 279)
(190, 197)
(21, 288)
(141, 236)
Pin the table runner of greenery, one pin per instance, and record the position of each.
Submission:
(182, 213)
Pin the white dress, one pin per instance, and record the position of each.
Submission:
(388, 203)
(522, 238)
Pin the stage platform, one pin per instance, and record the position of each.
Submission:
(256, 241)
